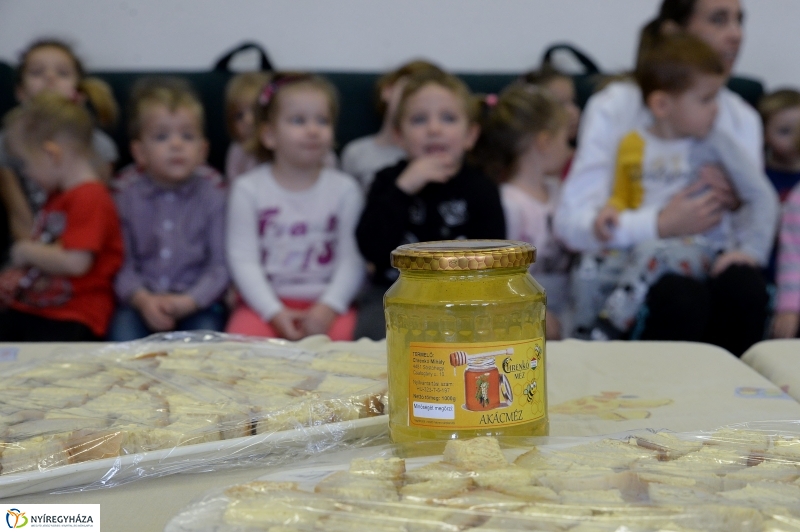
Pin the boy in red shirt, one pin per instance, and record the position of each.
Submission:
(59, 285)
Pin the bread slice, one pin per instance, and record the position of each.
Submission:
(768, 470)
(258, 487)
(380, 468)
(429, 491)
(667, 445)
(349, 486)
(278, 508)
(438, 471)
(475, 454)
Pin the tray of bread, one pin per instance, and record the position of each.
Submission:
(737, 478)
(180, 402)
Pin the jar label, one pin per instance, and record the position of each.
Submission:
(476, 385)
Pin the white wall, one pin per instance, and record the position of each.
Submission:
(373, 35)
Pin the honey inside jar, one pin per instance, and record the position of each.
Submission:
(441, 321)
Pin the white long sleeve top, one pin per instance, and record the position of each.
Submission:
(609, 115)
(284, 244)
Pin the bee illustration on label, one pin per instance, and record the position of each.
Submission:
(530, 391)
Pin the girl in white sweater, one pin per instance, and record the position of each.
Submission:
(291, 222)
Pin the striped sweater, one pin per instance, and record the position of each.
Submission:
(788, 276)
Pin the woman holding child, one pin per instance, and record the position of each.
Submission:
(728, 309)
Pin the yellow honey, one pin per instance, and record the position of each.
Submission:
(465, 338)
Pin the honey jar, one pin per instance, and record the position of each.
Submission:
(465, 338)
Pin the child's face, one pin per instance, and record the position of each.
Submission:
(557, 151)
(435, 123)
(171, 145)
(39, 165)
(781, 133)
(301, 132)
(244, 120)
(48, 68)
(692, 113)
(563, 90)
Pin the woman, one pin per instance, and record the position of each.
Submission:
(730, 309)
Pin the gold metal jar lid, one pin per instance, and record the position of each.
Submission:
(462, 255)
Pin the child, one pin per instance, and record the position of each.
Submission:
(679, 80)
(290, 237)
(562, 88)
(524, 145)
(240, 99)
(173, 219)
(787, 307)
(780, 113)
(51, 65)
(363, 157)
(60, 285)
(432, 195)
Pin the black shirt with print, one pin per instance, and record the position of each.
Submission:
(466, 206)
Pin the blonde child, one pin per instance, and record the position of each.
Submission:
(433, 195)
(524, 145)
(51, 65)
(173, 219)
(290, 236)
(363, 157)
(60, 285)
(680, 78)
(241, 94)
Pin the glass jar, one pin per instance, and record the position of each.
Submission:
(465, 338)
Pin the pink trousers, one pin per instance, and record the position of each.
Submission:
(244, 320)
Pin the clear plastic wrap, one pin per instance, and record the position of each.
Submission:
(182, 402)
(736, 478)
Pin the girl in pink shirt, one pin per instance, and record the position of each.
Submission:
(524, 145)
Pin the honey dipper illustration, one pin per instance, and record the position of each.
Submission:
(459, 358)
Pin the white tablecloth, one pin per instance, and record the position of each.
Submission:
(778, 361)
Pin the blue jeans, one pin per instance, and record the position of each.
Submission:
(128, 324)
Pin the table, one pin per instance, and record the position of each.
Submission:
(594, 388)
(778, 361)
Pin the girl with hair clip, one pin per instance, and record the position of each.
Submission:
(290, 236)
(524, 145)
(59, 286)
(363, 157)
(51, 65)
(674, 311)
(432, 195)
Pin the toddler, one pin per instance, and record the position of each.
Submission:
(679, 79)
(51, 65)
(562, 88)
(290, 237)
(780, 114)
(433, 195)
(524, 145)
(240, 100)
(173, 219)
(59, 287)
(363, 157)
